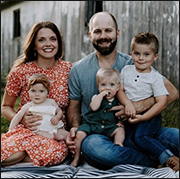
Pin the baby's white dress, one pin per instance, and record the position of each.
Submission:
(47, 112)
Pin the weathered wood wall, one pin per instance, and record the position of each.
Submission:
(158, 17)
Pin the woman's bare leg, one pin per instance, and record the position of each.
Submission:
(14, 158)
(27, 159)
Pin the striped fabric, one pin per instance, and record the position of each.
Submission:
(28, 170)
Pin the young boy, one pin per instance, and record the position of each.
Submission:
(138, 82)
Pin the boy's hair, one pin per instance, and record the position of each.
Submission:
(145, 38)
(38, 78)
(107, 72)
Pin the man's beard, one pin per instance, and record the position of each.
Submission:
(105, 50)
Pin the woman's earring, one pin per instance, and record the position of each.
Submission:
(35, 53)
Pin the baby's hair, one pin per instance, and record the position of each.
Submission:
(145, 38)
(38, 78)
(107, 72)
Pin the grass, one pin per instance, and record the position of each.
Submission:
(171, 115)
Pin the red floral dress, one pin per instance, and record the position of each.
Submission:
(41, 150)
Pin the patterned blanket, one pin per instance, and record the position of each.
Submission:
(64, 170)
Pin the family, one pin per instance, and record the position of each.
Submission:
(104, 108)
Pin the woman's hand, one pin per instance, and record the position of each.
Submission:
(31, 121)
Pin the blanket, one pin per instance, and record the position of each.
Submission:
(64, 170)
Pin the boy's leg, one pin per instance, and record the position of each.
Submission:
(145, 139)
(78, 140)
(169, 137)
(119, 136)
(145, 136)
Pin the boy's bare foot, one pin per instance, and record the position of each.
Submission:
(173, 162)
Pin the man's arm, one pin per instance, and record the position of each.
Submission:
(140, 106)
(73, 113)
(173, 92)
(143, 105)
(147, 103)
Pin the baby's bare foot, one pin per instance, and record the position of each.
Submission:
(76, 161)
(59, 137)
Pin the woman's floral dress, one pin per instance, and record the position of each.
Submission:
(42, 151)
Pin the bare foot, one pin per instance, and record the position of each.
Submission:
(118, 143)
(173, 163)
(74, 163)
(59, 137)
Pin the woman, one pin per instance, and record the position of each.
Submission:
(43, 52)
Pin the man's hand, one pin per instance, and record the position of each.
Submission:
(70, 140)
(121, 112)
(31, 121)
(120, 124)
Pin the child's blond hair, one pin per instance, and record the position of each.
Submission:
(107, 72)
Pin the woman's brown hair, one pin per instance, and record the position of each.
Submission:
(28, 51)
